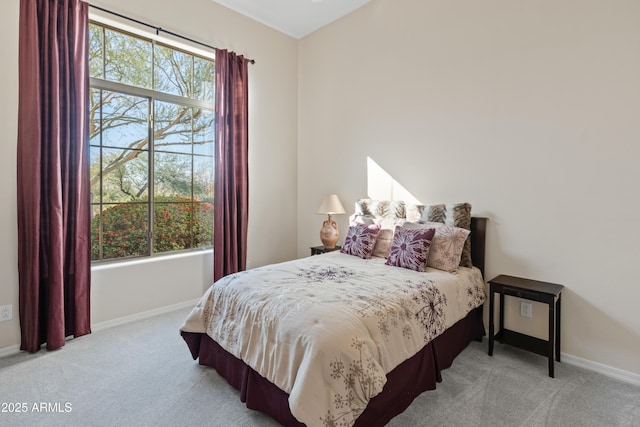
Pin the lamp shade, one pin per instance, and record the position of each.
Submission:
(331, 205)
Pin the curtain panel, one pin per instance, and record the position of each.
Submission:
(231, 165)
(52, 173)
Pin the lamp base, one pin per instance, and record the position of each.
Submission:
(329, 234)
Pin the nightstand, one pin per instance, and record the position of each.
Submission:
(548, 293)
(317, 250)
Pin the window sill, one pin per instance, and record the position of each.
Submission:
(148, 260)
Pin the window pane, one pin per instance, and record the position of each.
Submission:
(95, 109)
(127, 59)
(94, 173)
(204, 79)
(125, 175)
(203, 131)
(172, 127)
(203, 225)
(125, 121)
(95, 233)
(96, 50)
(172, 225)
(203, 178)
(125, 230)
(173, 71)
(172, 175)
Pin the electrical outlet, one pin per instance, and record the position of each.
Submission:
(6, 312)
(525, 309)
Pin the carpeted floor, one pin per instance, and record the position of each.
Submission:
(141, 374)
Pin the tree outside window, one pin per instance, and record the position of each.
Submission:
(151, 135)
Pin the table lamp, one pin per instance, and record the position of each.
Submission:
(329, 232)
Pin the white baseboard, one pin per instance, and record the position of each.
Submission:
(8, 351)
(139, 316)
(13, 349)
(618, 374)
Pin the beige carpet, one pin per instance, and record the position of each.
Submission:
(141, 374)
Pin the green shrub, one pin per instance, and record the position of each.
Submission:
(179, 223)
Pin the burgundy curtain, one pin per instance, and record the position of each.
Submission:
(231, 165)
(53, 183)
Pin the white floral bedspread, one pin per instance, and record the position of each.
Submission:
(327, 329)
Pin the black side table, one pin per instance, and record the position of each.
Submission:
(548, 293)
(317, 250)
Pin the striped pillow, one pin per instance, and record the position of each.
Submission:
(459, 215)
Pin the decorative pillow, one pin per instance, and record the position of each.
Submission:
(391, 213)
(410, 248)
(456, 215)
(360, 240)
(446, 246)
(383, 243)
(414, 212)
(459, 215)
(434, 213)
(387, 225)
(387, 209)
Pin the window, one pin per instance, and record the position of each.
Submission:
(151, 123)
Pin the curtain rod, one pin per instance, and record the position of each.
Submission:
(158, 29)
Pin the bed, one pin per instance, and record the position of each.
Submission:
(342, 339)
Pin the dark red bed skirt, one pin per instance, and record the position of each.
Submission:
(404, 383)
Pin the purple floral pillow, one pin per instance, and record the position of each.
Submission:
(410, 248)
(360, 240)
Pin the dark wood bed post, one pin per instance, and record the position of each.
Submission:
(478, 236)
(478, 242)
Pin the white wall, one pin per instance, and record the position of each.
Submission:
(131, 288)
(528, 110)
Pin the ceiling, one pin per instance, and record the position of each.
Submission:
(296, 18)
